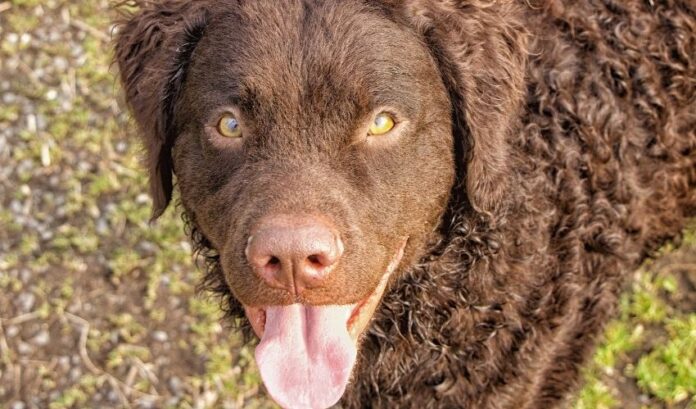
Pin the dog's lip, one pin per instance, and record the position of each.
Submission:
(362, 311)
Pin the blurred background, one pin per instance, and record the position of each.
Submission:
(98, 309)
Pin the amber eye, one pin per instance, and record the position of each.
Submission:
(382, 124)
(229, 127)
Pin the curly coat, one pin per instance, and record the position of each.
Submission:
(574, 126)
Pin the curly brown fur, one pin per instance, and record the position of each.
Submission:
(574, 128)
(605, 165)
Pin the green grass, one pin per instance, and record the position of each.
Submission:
(86, 183)
(652, 344)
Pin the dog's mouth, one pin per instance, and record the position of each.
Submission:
(306, 354)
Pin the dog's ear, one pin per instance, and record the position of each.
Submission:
(153, 50)
(481, 49)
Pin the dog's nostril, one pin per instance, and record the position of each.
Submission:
(293, 252)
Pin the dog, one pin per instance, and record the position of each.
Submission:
(418, 203)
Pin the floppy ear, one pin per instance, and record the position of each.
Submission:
(481, 49)
(153, 51)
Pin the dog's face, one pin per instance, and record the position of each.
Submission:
(315, 150)
(330, 119)
(313, 147)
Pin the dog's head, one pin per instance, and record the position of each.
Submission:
(316, 145)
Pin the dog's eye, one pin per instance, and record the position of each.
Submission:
(382, 124)
(229, 127)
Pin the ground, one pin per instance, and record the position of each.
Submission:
(98, 308)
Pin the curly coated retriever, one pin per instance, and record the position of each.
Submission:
(418, 203)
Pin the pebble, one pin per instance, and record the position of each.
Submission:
(121, 147)
(175, 385)
(64, 362)
(16, 206)
(75, 374)
(25, 38)
(18, 405)
(25, 275)
(173, 402)
(42, 338)
(113, 397)
(146, 403)
(102, 226)
(9, 98)
(60, 63)
(51, 95)
(25, 302)
(12, 331)
(24, 349)
(142, 198)
(160, 336)
(147, 247)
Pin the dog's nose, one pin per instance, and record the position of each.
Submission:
(293, 252)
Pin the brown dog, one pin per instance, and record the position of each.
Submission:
(419, 203)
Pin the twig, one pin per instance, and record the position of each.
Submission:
(17, 380)
(20, 319)
(29, 72)
(113, 381)
(673, 268)
(84, 334)
(81, 25)
(114, 384)
(6, 359)
(84, 354)
(146, 371)
(130, 378)
(4, 347)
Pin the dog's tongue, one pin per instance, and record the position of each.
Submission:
(306, 355)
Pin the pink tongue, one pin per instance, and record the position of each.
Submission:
(306, 355)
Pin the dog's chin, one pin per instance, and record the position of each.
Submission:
(307, 353)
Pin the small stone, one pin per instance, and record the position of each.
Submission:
(12, 331)
(25, 302)
(75, 374)
(64, 362)
(25, 275)
(147, 247)
(60, 63)
(18, 405)
(121, 147)
(112, 396)
(42, 338)
(9, 98)
(142, 198)
(146, 403)
(102, 226)
(24, 349)
(175, 385)
(160, 336)
(45, 155)
(16, 206)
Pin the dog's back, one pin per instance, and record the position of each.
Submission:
(612, 110)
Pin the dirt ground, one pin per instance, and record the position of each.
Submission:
(98, 308)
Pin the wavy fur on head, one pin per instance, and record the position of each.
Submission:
(575, 124)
